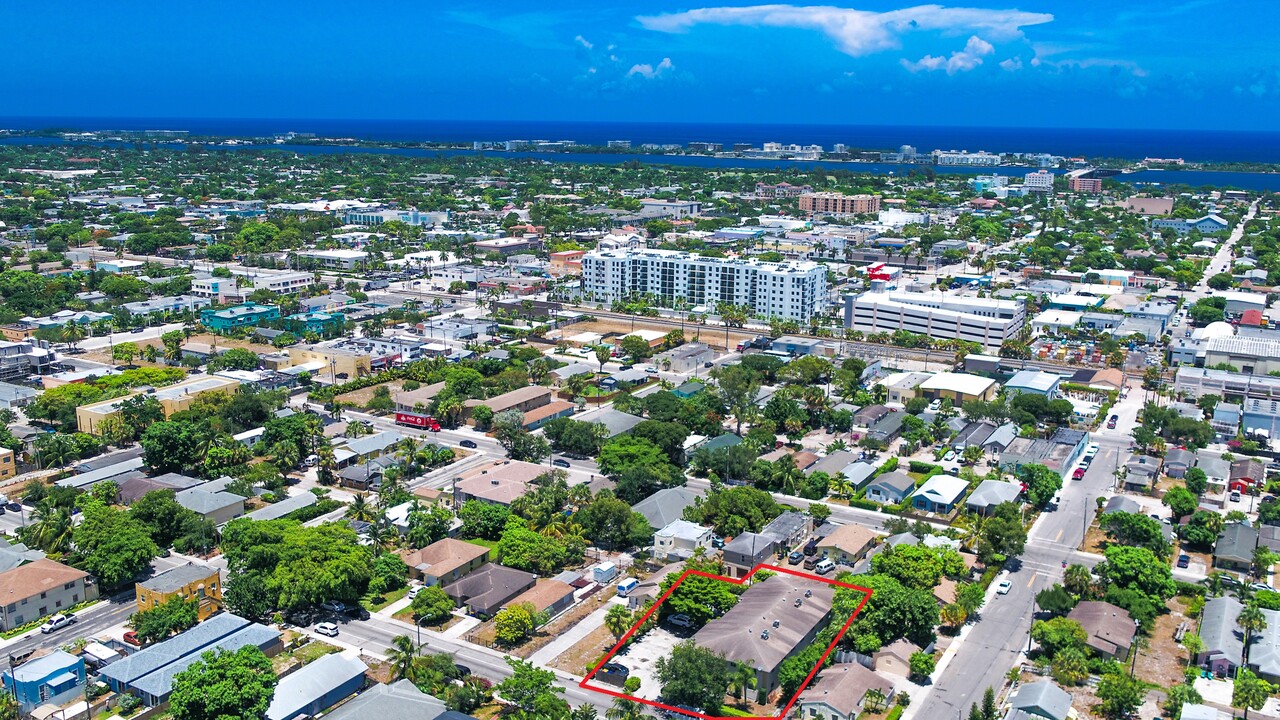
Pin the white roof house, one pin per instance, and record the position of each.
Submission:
(940, 491)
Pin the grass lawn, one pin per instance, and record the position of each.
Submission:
(491, 544)
(374, 604)
(313, 651)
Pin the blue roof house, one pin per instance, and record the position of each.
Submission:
(55, 678)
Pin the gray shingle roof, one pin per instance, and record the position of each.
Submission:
(1264, 652)
(990, 493)
(178, 577)
(1236, 543)
(204, 502)
(665, 506)
(398, 700)
(278, 510)
(1218, 628)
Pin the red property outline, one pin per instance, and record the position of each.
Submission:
(740, 581)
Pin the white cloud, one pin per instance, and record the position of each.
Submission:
(1012, 64)
(960, 61)
(649, 72)
(856, 32)
(583, 42)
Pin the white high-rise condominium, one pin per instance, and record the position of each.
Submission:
(789, 290)
(986, 321)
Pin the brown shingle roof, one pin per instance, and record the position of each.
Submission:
(543, 595)
(850, 538)
(1110, 628)
(843, 686)
(35, 578)
(444, 556)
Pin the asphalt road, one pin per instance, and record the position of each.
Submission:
(376, 635)
(996, 642)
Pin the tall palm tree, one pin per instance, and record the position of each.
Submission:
(381, 534)
(50, 529)
(1251, 620)
(744, 676)
(403, 656)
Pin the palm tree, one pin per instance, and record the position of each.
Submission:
(624, 709)
(602, 356)
(403, 656)
(381, 534)
(840, 486)
(360, 509)
(743, 678)
(617, 620)
(1078, 580)
(1251, 620)
(50, 529)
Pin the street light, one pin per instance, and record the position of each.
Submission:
(418, 624)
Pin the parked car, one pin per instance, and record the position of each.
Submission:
(717, 541)
(413, 591)
(461, 670)
(1184, 561)
(327, 628)
(467, 443)
(560, 463)
(1078, 474)
(137, 330)
(616, 669)
(131, 637)
(334, 606)
(824, 566)
(681, 620)
(1091, 450)
(795, 558)
(811, 547)
(811, 562)
(951, 455)
(57, 622)
(1004, 587)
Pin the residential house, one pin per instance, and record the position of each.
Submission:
(665, 506)
(833, 463)
(219, 506)
(1235, 546)
(283, 508)
(744, 552)
(1246, 473)
(444, 561)
(678, 540)
(54, 679)
(839, 692)
(318, 686)
(799, 609)
(43, 587)
(1217, 471)
(499, 482)
(1142, 472)
(1223, 640)
(895, 658)
(486, 590)
(191, 581)
(685, 358)
(1110, 629)
(615, 422)
(847, 544)
(789, 528)
(888, 428)
(13, 555)
(991, 493)
(869, 415)
(1122, 503)
(940, 494)
(1264, 651)
(1177, 461)
(400, 699)
(548, 595)
(1042, 699)
(149, 672)
(891, 488)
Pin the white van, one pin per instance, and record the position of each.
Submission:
(626, 585)
(824, 566)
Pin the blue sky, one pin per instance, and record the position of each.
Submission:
(1211, 64)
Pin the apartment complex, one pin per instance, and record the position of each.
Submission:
(186, 582)
(1039, 181)
(41, 588)
(1085, 184)
(794, 290)
(839, 204)
(172, 399)
(246, 315)
(986, 321)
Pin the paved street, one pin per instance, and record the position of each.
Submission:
(996, 641)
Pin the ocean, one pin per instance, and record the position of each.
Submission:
(1191, 145)
(667, 133)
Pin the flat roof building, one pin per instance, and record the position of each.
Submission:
(986, 321)
(172, 399)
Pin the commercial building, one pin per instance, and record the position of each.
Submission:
(566, 262)
(509, 245)
(794, 290)
(1035, 382)
(331, 361)
(188, 582)
(43, 587)
(172, 399)
(650, 207)
(314, 322)
(21, 359)
(1039, 181)
(1252, 355)
(839, 203)
(1059, 453)
(246, 315)
(335, 259)
(685, 358)
(174, 304)
(986, 321)
(959, 388)
(773, 620)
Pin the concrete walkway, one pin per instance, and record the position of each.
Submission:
(395, 607)
(462, 627)
(553, 649)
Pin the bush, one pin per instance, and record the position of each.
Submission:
(926, 469)
(1188, 589)
(889, 466)
(864, 504)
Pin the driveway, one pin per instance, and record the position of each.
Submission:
(641, 658)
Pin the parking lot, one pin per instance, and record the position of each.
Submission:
(641, 658)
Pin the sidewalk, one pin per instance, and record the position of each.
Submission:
(462, 627)
(553, 649)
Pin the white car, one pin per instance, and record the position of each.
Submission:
(413, 591)
(1091, 450)
(327, 628)
(1004, 587)
(57, 622)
